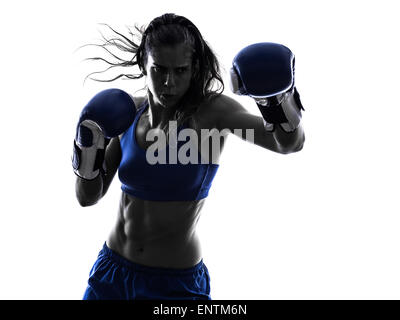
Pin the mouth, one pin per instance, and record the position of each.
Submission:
(167, 96)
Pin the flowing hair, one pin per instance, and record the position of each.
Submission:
(168, 29)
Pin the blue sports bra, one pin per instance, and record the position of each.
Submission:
(160, 182)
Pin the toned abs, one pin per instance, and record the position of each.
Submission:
(157, 233)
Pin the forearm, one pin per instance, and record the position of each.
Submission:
(289, 142)
(89, 192)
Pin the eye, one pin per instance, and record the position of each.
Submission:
(182, 70)
(158, 69)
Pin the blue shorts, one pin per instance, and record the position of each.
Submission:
(115, 278)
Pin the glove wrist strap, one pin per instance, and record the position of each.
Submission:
(285, 111)
(88, 162)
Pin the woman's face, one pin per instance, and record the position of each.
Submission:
(169, 73)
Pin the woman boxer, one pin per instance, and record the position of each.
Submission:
(153, 251)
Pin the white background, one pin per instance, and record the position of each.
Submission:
(319, 224)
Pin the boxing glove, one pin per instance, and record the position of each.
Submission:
(265, 72)
(108, 114)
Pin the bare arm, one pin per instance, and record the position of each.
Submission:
(89, 192)
(232, 115)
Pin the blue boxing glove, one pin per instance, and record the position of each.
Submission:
(108, 114)
(265, 72)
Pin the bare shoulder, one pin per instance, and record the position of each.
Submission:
(217, 108)
(138, 100)
(222, 103)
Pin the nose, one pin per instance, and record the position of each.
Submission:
(170, 79)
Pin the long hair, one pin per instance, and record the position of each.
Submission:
(168, 29)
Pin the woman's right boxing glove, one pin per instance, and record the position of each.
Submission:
(108, 114)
